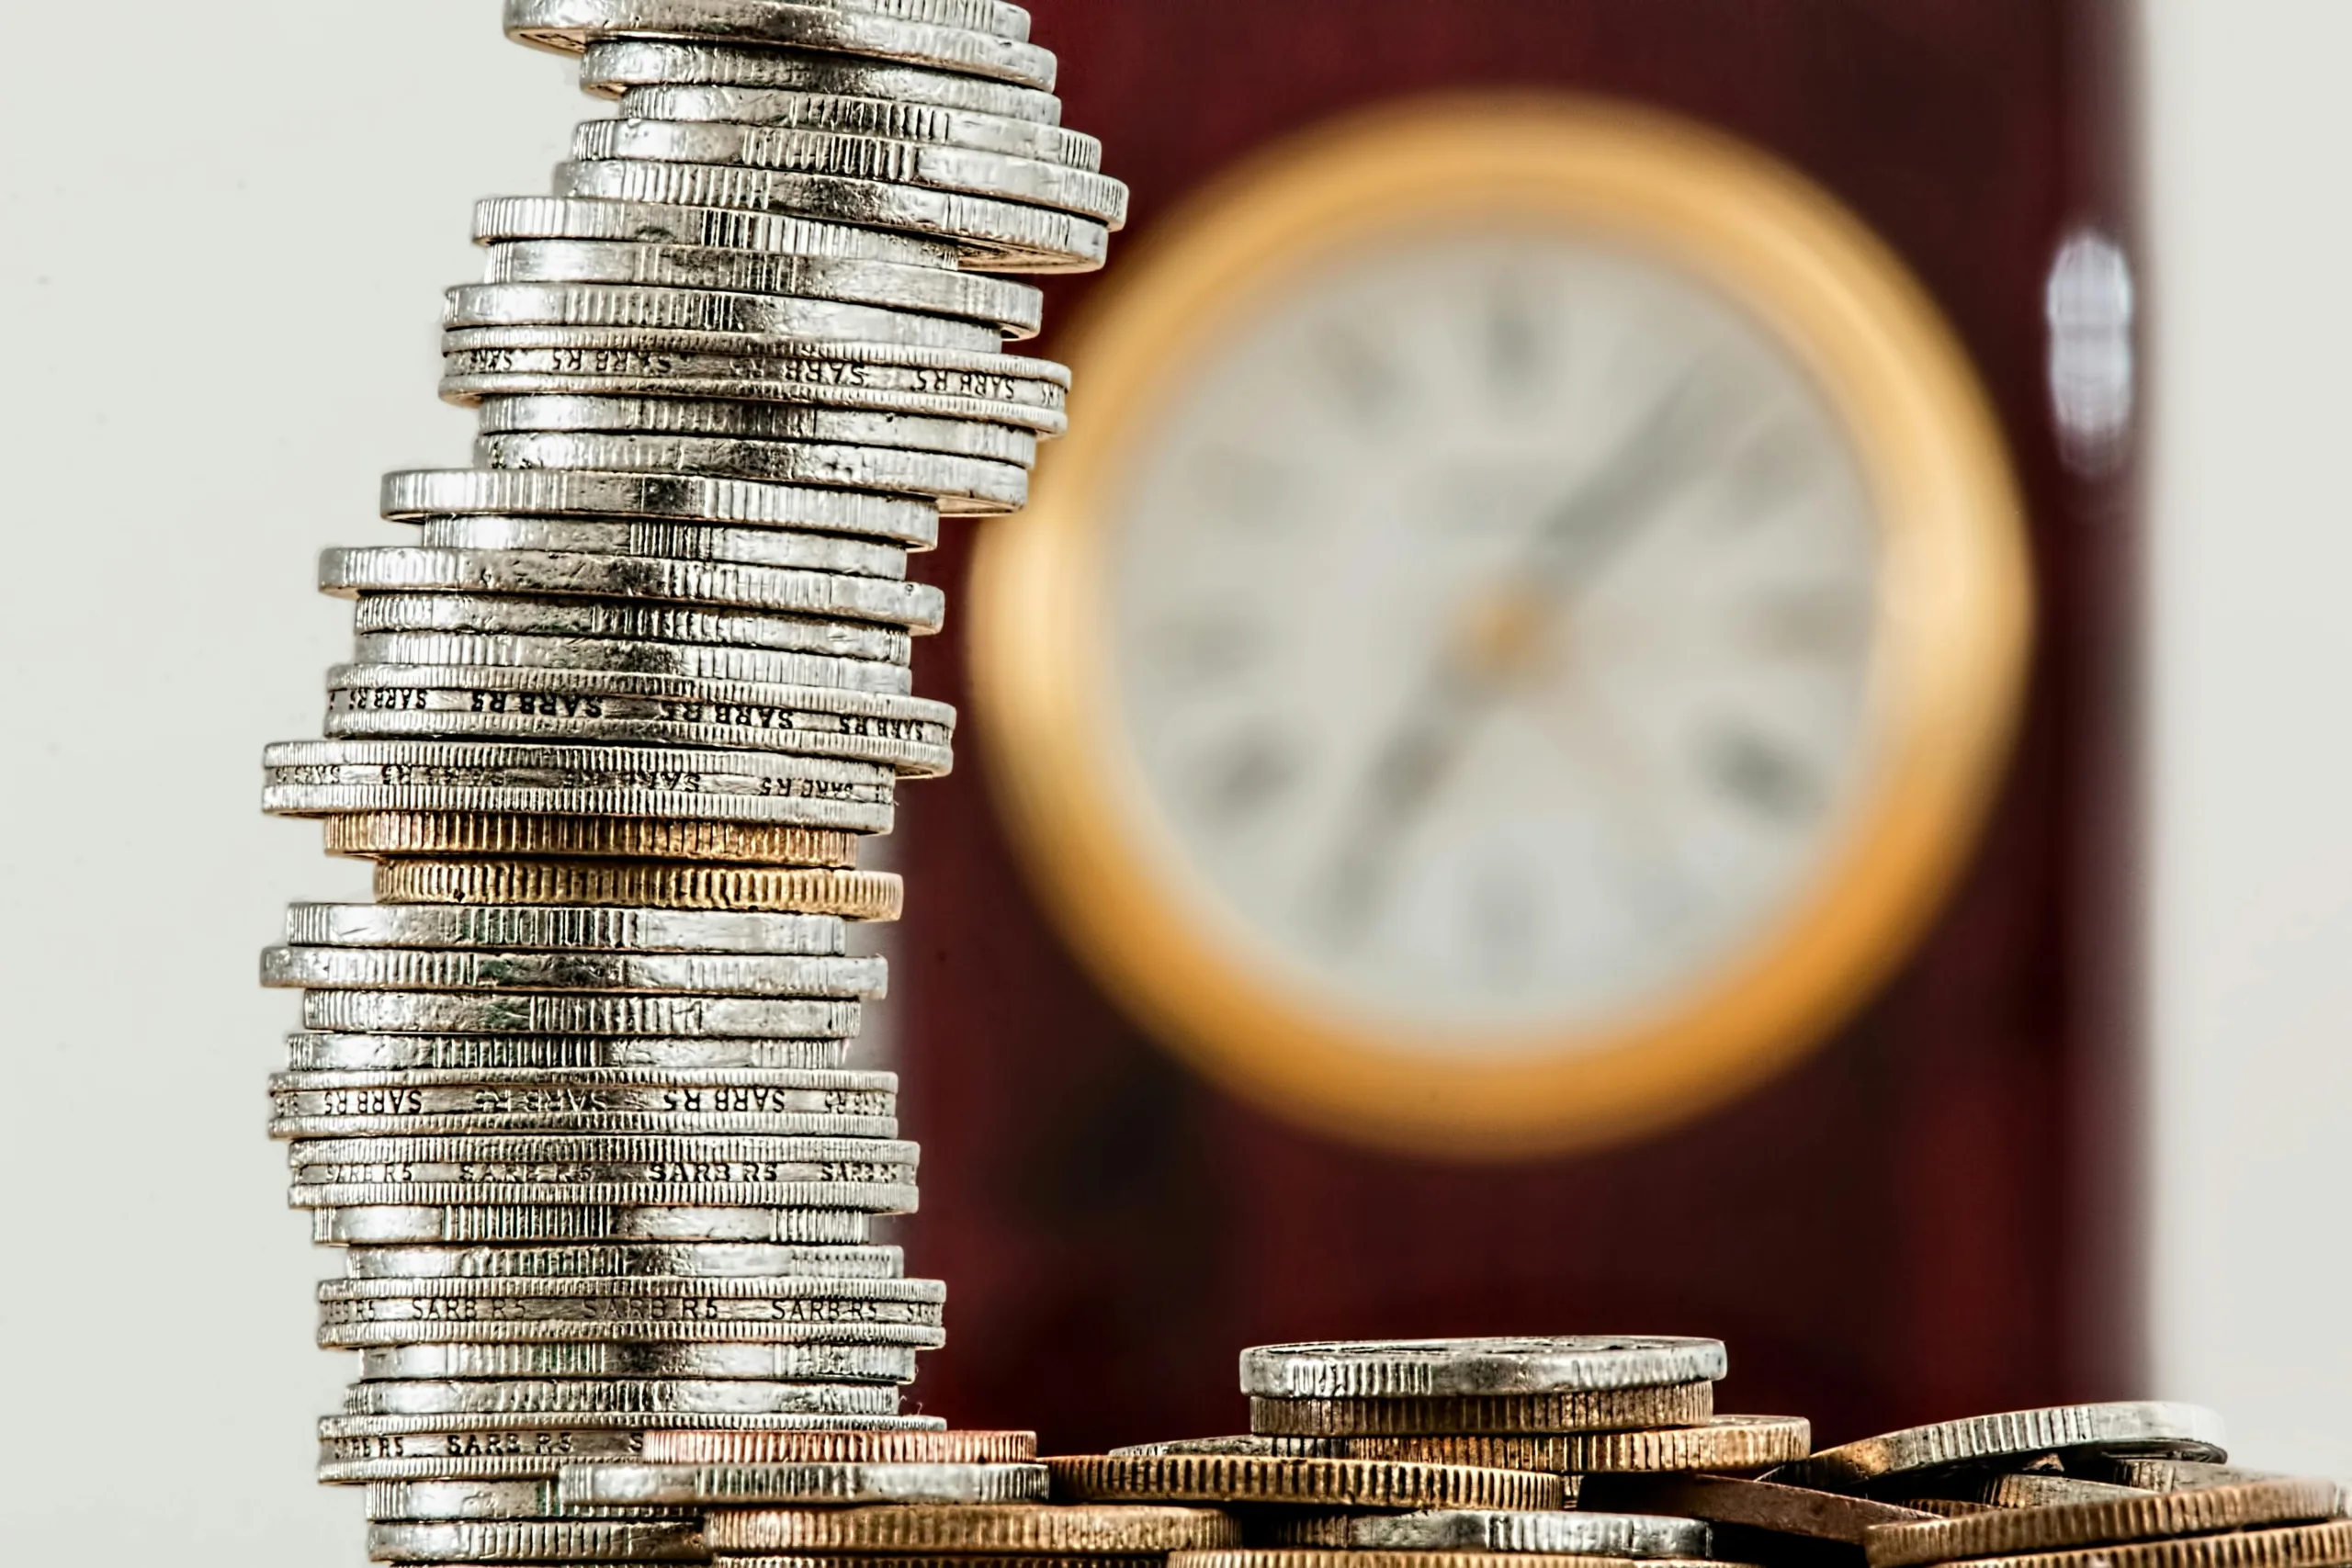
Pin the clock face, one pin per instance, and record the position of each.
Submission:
(1491, 619)
(1521, 633)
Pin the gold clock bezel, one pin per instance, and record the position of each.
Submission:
(1954, 621)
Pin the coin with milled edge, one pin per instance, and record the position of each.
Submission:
(972, 1529)
(451, 833)
(900, 120)
(396, 1223)
(467, 969)
(677, 661)
(636, 307)
(448, 492)
(1327, 1557)
(2147, 1428)
(756, 1363)
(2166, 1475)
(626, 1395)
(1748, 1505)
(570, 26)
(961, 485)
(1572, 1533)
(755, 421)
(540, 1540)
(962, 1446)
(2299, 1546)
(1616, 1409)
(568, 928)
(851, 895)
(1722, 1442)
(1297, 1483)
(500, 220)
(1438, 1368)
(2033, 1489)
(396, 569)
(606, 619)
(548, 1053)
(820, 1484)
(535, 1499)
(2129, 1516)
(673, 541)
(525, 1012)
(612, 67)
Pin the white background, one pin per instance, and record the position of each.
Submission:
(225, 230)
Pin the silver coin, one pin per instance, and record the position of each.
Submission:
(2150, 1428)
(395, 1224)
(673, 541)
(754, 1361)
(752, 421)
(1001, 236)
(536, 1542)
(418, 493)
(1563, 1532)
(394, 568)
(636, 308)
(871, 1094)
(535, 1499)
(895, 118)
(454, 1013)
(1414, 1368)
(579, 24)
(611, 621)
(627, 1396)
(467, 969)
(565, 927)
(496, 703)
(612, 1187)
(681, 660)
(499, 219)
(802, 1486)
(962, 486)
(552, 1054)
(353, 1326)
(715, 1260)
(615, 66)
(939, 167)
(570, 26)
(1013, 309)
(291, 1122)
(533, 1433)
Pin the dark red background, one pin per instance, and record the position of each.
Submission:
(1925, 1219)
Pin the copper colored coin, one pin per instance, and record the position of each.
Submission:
(841, 1447)
(852, 894)
(1297, 1483)
(374, 833)
(2133, 1516)
(1724, 1442)
(1601, 1410)
(2169, 1474)
(2300, 1546)
(2013, 1489)
(1329, 1557)
(936, 1560)
(1750, 1504)
(974, 1529)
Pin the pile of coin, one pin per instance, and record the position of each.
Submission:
(1573, 1406)
(574, 1091)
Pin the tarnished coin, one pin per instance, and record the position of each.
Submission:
(568, 1397)
(396, 1223)
(850, 894)
(954, 1447)
(2132, 1517)
(540, 1540)
(1423, 1368)
(413, 494)
(535, 1499)
(1748, 1505)
(973, 1529)
(1573, 1532)
(2146, 1428)
(556, 1054)
(567, 928)
(815, 1484)
(1297, 1483)
(2166, 1475)
(1616, 1409)
(570, 26)
(1722, 1442)
(1328, 1557)
(2010, 1489)
(370, 834)
(712, 1261)
(755, 1362)
(613, 67)
(2299, 1546)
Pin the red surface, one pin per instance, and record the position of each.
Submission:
(1922, 1221)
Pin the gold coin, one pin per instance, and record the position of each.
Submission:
(1607, 1410)
(852, 894)
(958, 1529)
(2144, 1515)
(841, 1447)
(1723, 1442)
(2303, 1546)
(373, 833)
(1297, 1483)
(1329, 1557)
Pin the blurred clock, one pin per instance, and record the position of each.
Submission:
(1523, 631)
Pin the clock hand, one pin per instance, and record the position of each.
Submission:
(1473, 669)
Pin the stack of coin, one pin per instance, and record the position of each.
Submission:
(1573, 1406)
(575, 1090)
(886, 1500)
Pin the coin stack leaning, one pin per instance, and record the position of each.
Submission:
(1574, 1406)
(928, 1500)
(574, 1091)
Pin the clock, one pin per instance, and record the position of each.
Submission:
(1522, 634)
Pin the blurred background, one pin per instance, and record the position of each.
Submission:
(1948, 1018)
